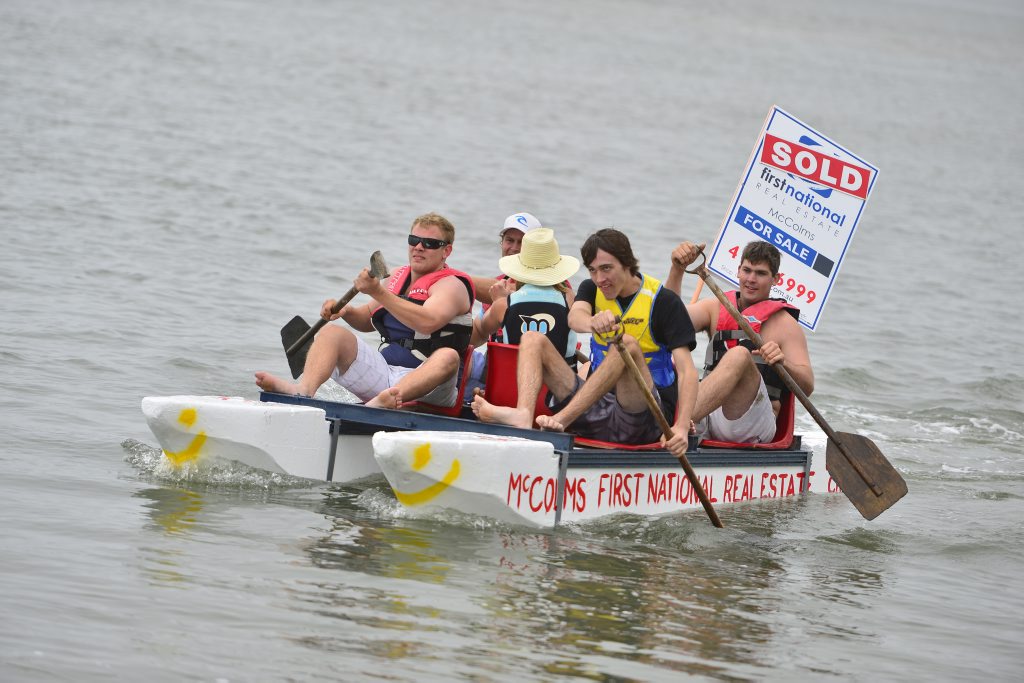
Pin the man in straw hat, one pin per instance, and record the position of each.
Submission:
(533, 295)
(511, 242)
(488, 289)
(609, 405)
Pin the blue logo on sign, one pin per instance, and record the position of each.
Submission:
(823, 192)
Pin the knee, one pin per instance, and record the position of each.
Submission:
(741, 361)
(631, 344)
(333, 334)
(739, 355)
(340, 340)
(446, 358)
(532, 339)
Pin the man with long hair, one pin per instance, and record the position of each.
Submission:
(609, 405)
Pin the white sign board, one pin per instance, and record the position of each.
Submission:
(805, 194)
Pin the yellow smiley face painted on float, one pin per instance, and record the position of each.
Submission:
(187, 417)
(420, 458)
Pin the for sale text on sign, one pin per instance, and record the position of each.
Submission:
(805, 194)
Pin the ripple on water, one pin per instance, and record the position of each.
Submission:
(151, 462)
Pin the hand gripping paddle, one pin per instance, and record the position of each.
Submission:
(863, 474)
(297, 335)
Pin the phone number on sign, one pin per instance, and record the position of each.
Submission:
(792, 285)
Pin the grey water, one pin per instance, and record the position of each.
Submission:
(179, 179)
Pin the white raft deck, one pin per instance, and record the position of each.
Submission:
(433, 462)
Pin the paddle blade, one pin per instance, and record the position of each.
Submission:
(290, 334)
(876, 470)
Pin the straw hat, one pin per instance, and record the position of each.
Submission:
(539, 262)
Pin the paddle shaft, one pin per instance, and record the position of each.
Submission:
(342, 302)
(666, 429)
(378, 269)
(790, 383)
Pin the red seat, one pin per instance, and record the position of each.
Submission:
(456, 409)
(783, 431)
(595, 443)
(501, 388)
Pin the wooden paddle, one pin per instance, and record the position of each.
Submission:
(297, 335)
(666, 429)
(866, 477)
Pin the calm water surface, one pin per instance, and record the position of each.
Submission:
(180, 178)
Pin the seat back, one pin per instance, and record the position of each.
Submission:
(783, 431)
(455, 410)
(501, 388)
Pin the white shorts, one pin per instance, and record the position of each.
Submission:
(757, 425)
(370, 374)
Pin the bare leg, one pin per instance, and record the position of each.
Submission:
(610, 374)
(732, 385)
(539, 363)
(438, 368)
(278, 385)
(627, 393)
(389, 398)
(333, 347)
(505, 415)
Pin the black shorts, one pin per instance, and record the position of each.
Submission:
(606, 420)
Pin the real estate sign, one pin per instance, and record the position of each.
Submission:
(805, 194)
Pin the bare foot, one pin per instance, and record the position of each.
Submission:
(390, 398)
(488, 412)
(549, 424)
(268, 382)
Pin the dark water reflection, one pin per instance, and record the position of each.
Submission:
(625, 597)
(670, 593)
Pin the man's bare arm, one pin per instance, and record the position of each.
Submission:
(704, 315)
(579, 316)
(785, 341)
(482, 285)
(355, 316)
(448, 298)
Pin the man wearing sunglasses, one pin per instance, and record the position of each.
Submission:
(423, 314)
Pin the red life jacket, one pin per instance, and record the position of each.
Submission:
(400, 344)
(728, 334)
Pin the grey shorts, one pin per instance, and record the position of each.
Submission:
(757, 425)
(607, 421)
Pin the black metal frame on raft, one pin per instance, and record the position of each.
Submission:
(357, 419)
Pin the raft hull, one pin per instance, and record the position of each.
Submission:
(434, 462)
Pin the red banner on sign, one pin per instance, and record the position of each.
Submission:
(815, 166)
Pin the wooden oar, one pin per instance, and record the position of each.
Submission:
(866, 477)
(297, 335)
(666, 429)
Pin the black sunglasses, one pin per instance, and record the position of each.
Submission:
(427, 242)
